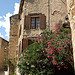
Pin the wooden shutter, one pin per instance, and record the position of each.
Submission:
(27, 22)
(42, 21)
(20, 48)
(24, 43)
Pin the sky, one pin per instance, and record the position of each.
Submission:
(7, 9)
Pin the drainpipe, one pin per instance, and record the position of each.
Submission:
(49, 14)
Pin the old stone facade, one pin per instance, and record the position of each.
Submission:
(71, 14)
(48, 11)
(34, 16)
(4, 47)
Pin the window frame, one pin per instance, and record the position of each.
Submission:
(42, 19)
(35, 17)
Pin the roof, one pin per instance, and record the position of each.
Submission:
(4, 39)
(13, 15)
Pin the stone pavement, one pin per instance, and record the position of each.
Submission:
(2, 73)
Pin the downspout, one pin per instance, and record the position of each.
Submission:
(49, 14)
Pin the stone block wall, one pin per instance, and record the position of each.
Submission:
(4, 48)
(71, 14)
(58, 11)
(13, 40)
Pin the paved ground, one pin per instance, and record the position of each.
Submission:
(2, 73)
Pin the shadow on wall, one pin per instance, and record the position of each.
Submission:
(30, 1)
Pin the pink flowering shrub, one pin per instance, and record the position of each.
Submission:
(51, 52)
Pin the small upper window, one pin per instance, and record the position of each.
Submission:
(35, 23)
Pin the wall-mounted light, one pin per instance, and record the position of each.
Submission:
(66, 24)
(7, 46)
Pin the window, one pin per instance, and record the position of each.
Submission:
(25, 43)
(35, 23)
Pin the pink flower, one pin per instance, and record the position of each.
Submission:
(46, 35)
(68, 55)
(64, 42)
(54, 62)
(65, 67)
(48, 56)
(37, 38)
(56, 30)
(41, 36)
(53, 54)
(17, 62)
(60, 48)
(36, 41)
(58, 67)
(24, 53)
(49, 43)
(70, 36)
(58, 52)
(55, 37)
(23, 59)
(41, 39)
(70, 46)
(70, 41)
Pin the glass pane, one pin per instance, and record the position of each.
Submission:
(32, 20)
(33, 26)
(32, 23)
(37, 26)
(37, 23)
(37, 19)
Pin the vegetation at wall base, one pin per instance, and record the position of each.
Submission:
(11, 63)
(50, 54)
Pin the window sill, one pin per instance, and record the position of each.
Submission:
(34, 29)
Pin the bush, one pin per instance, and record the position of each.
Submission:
(51, 51)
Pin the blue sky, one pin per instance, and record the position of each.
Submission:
(7, 9)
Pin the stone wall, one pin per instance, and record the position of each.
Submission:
(54, 10)
(13, 40)
(71, 14)
(3, 52)
(58, 11)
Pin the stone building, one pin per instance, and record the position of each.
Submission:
(71, 14)
(34, 16)
(4, 47)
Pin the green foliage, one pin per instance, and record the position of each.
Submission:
(11, 64)
(51, 50)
